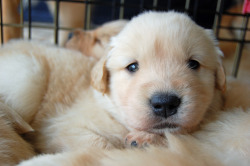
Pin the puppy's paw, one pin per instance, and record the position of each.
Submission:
(141, 139)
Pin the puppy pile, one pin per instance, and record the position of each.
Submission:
(162, 77)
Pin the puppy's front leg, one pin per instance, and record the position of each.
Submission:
(142, 139)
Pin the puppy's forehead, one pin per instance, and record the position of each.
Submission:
(164, 34)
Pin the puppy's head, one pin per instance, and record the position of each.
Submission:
(94, 42)
(162, 73)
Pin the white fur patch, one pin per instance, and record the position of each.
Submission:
(21, 80)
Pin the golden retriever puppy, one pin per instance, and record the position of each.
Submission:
(162, 74)
(160, 69)
(94, 42)
(13, 148)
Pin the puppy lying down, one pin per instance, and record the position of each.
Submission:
(162, 74)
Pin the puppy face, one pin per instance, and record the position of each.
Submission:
(163, 73)
(94, 42)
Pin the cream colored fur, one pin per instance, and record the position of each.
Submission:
(224, 142)
(72, 110)
(44, 84)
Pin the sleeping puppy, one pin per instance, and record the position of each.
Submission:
(162, 74)
(94, 42)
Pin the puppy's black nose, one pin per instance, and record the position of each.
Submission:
(164, 104)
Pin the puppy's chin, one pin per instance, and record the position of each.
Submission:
(156, 126)
(168, 128)
(159, 126)
(163, 127)
(172, 128)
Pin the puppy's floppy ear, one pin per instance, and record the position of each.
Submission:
(99, 76)
(220, 75)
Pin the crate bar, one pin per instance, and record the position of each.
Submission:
(113, 9)
(34, 25)
(103, 3)
(155, 4)
(56, 21)
(13, 25)
(240, 46)
(121, 12)
(233, 40)
(233, 28)
(141, 5)
(49, 27)
(169, 4)
(21, 16)
(216, 17)
(30, 20)
(195, 10)
(1, 12)
(232, 14)
(87, 15)
(187, 6)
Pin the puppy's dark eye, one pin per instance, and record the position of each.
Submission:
(193, 64)
(133, 67)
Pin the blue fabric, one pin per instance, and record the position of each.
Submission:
(39, 13)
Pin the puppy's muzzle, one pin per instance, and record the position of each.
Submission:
(164, 104)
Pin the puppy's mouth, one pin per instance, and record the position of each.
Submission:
(165, 125)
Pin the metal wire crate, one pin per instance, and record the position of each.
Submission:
(207, 13)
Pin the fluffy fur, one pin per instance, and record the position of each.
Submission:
(69, 109)
(163, 43)
(224, 142)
